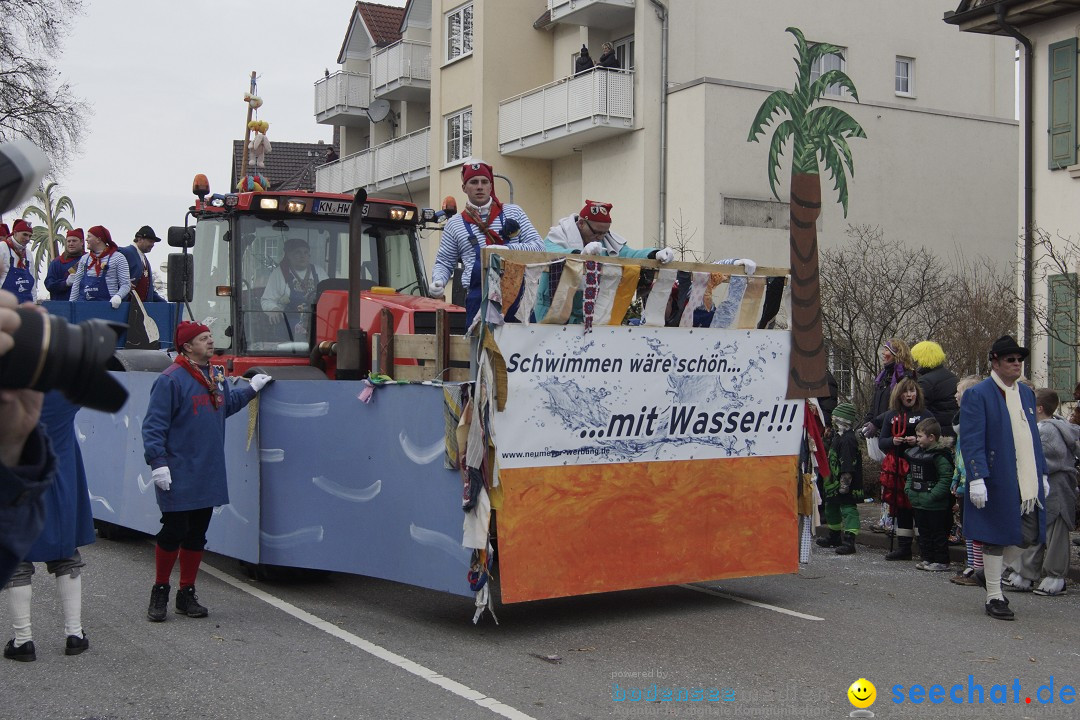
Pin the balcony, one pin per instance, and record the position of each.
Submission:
(383, 168)
(402, 71)
(550, 121)
(342, 99)
(600, 14)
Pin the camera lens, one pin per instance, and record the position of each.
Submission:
(52, 354)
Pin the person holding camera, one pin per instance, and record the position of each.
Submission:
(102, 274)
(62, 270)
(184, 445)
(15, 273)
(69, 524)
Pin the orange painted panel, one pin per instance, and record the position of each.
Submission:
(597, 528)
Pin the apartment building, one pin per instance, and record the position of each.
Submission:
(495, 79)
(1046, 31)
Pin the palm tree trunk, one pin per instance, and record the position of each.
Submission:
(806, 378)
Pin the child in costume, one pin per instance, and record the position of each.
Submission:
(844, 486)
(930, 471)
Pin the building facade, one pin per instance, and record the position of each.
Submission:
(937, 167)
(1049, 88)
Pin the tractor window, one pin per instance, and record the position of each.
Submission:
(212, 269)
(282, 262)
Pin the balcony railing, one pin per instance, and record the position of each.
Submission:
(379, 168)
(342, 98)
(402, 70)
(602, 14)
(550, 120)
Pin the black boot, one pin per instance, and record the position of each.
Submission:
(159, 603)
(187, 603)
(831, 540)
(847, 546)
(903, 548)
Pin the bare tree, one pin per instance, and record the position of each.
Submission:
(873, 289)
(1057, 259)
(683, 244)
(34, 102)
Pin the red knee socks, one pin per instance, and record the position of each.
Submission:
(189, 566)
(163, 562)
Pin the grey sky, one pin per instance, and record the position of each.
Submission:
(166, 81)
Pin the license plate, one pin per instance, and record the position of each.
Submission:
(333, 207)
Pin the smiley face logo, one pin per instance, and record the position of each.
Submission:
(862, 693)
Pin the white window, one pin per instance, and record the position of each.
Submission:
(458, 136)
(905, 76)
(624, 52)
(824, 64)
(459, 29)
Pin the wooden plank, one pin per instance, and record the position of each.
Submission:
(458, 375)
(459, 349)
(442, 342)
(414, 373)
(386, 346)
(421, 347)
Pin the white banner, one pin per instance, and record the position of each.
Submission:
(643, 394)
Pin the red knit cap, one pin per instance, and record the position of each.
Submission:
(597, 212)
(4, 232)
(188, 331)
(77, 232)
(20, 225)
(472, 169)
(102, 233)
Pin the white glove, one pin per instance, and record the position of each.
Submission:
(665, 255)
(1046, 486)
(162, 478)
(748, 265)
(437, 289)
(977, 493)
(258, 382)
(593, 248)
(115, 301)
(70, 280)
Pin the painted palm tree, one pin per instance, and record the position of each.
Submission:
(819, 132)
(46, 214)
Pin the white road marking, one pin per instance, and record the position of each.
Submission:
(371, 648)
(755, 603)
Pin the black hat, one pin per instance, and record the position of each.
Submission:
(147, 232)
(584, 50)
(1006, 345)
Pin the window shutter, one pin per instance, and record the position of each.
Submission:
(1062, 109)
(1061, 353)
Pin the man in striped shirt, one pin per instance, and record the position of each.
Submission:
(484, 222)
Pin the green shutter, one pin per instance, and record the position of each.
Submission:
(1061, 352)
(1062, 107)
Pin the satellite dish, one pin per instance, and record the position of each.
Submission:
(378, 110)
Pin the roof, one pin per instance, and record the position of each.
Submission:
(980, 16)
(289, 166)
(383, 22)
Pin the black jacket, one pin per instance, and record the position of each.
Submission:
(608, 60)
(939, 395)
(584, 63)
(879, 401)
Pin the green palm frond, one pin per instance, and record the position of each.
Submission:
(783, 132)
(827, 80)
(778, 102)
(35, 214)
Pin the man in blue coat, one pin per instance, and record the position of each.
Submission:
(142, 275)
(1007, 485)
(184, 444)
(61, 272)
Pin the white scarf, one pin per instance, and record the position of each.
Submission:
(481, 211)
(1026, 473)
(566, 233)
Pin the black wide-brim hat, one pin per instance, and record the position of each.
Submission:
(1007, 345)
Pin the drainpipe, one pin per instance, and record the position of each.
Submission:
(662, 13)
(1029, 191)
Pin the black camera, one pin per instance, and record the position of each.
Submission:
(51, 353)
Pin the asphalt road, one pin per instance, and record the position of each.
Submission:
(342, 646)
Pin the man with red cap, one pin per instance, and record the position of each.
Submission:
(484, 222)
(15, 271)
(184, 444)
(62, 270)
(142, 276)
(588, 233)
(101, 274)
